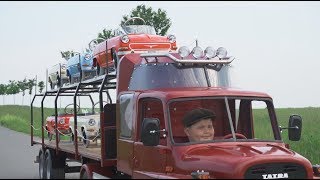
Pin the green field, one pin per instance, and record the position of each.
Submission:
(18, 118)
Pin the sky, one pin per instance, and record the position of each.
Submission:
(275, 44)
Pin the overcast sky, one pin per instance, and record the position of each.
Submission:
(276, 44)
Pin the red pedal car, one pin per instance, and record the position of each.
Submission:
(129, 39)
(63, 124)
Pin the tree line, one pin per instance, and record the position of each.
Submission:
(15, 87)
(156, 18)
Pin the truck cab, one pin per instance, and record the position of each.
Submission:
(162, 88)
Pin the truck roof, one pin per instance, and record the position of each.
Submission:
(201, 92)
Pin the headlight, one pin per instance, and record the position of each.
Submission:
(197, 52)
(87, 57)
(92, 122)
(221, 52)
(172, 38)
(184, 51)
(62, 121)
(210, 52)
(125, 39)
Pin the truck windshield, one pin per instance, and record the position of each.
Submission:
(236, 119)
(169, 75)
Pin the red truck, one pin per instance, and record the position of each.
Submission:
(142, 134)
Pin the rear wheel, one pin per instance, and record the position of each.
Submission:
(42, 167)
(54, 166)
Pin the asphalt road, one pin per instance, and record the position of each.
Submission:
(17, 156)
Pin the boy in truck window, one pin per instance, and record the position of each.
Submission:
(198, 125)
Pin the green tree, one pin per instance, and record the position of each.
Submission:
(3, 91)
(13, 89)
(158, 19)
(23, 86)
(105, 34)
(67, 54)
(41, 86)
(31, 83)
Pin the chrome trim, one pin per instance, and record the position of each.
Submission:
(214, 60)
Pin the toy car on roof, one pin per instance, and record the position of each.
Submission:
(129, 39)
(80, 67)
(57, 75)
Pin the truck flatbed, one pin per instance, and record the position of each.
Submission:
(91, 152)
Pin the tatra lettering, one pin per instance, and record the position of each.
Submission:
(275, 176)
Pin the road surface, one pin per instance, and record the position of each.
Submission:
(17, 156)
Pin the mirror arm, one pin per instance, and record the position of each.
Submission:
(157, 131)
(282, 128)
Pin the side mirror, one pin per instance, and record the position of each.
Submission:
(150, 135)
(295, 127)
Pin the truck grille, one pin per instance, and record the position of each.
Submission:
(276, 170)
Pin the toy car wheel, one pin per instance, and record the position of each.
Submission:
(50, 82)
(70, 79)
(72, 138)
(98, 70)
(49, 136)
(85, 141)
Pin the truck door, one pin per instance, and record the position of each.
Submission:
(125, 142)
(149, 159)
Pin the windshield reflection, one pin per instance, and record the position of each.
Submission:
(139, 29)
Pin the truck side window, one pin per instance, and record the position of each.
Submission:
(126, 115)
(253, 120)
(261, 121)
(152, 108)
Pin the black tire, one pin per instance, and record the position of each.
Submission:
(54, 166)
(84, 175)
(84, 140)
(50, 82)
(72, 137)
(98, 70)
(49, 136)
(70, 79)
(42, 167)
(58, 81)
(81, 75)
